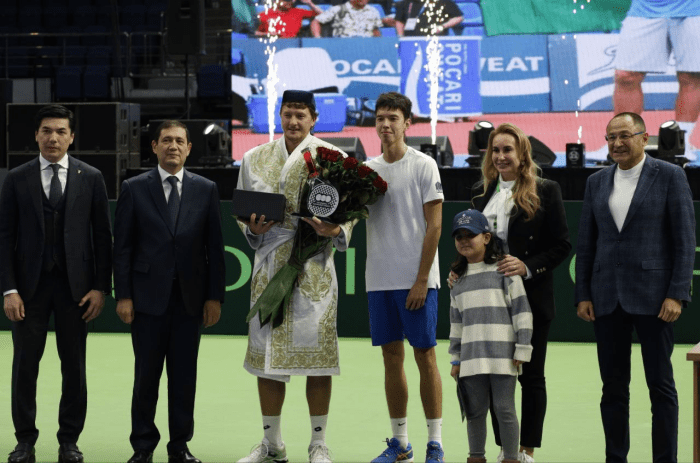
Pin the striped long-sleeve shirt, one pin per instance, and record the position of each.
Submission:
(490, 322)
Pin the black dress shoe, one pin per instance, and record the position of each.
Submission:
(141, 456)
(69, 453)
(183, 456)
(23, 453)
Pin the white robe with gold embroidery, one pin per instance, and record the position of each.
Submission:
(307, 342)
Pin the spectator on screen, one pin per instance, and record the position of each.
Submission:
(285, 21)
(429, 17)
(353, 18)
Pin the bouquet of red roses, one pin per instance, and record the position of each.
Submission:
(337, 185)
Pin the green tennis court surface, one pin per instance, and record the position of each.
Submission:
(227, 416)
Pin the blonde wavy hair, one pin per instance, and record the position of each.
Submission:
(525, 187)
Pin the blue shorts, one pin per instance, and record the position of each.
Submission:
(390, 320)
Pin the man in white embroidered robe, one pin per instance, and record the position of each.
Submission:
(306, 343)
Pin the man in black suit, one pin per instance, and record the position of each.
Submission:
(168, 278)
(55, 256)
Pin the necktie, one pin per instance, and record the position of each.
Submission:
(55, 192)
(173, 201)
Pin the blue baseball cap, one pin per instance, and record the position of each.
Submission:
(471, 220)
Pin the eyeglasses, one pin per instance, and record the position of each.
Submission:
(622, 137)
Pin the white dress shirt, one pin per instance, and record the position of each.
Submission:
(164, 175)
(47, 173)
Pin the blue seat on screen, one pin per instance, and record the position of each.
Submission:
(472, 14)
(377, 7)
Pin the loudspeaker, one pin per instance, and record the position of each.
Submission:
(351, 145)
(5, 98)
(575, 154)
(446, 156)
(99, 127)
(185, 22)
(197, 138)
(541, 154)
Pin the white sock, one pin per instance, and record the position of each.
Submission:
(318, 429)
(272, 430)
(435, 430)
(688, 127)
(399, 427)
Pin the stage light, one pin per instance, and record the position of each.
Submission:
(478, 142)
(671, 140)
(217, 146)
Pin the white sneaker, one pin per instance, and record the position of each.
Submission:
(265, 453)
(501, 456)
(319, 453)
(523, 457)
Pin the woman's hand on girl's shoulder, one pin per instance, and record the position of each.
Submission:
(452, 279)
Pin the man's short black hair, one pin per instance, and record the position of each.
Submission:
(395, 100)
(636, 120)
(54, 111)
(169, 125)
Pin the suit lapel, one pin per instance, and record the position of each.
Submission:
(36, 189)
(155, 186)
(480, 202)
(187, 200)
(603, 196)
(74, 185)
(646, 178)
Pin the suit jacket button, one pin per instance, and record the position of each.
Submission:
(532, 237)
(619, 264)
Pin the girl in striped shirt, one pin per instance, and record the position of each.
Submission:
(490, 332)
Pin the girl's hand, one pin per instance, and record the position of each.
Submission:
(451, 279)
(517, 363)
(455, 372)
(511, 265)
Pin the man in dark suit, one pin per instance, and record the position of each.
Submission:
(55, 256)
(634, 265)
(168, 278)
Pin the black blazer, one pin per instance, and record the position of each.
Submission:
(87, 231)
(149, 254)
(541, 243)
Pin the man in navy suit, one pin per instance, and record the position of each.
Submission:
(55, 257)
(168, 279)
(634, 265)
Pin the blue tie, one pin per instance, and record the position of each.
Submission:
(173, 201)
(55, 192)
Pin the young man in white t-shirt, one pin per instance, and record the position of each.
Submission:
(402, 276)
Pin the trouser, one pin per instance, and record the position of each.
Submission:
(614, 338)
(475, 392)
(53, 295)
(171, 339)
(533, 404)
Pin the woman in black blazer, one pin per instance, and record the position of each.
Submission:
(536, 240)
